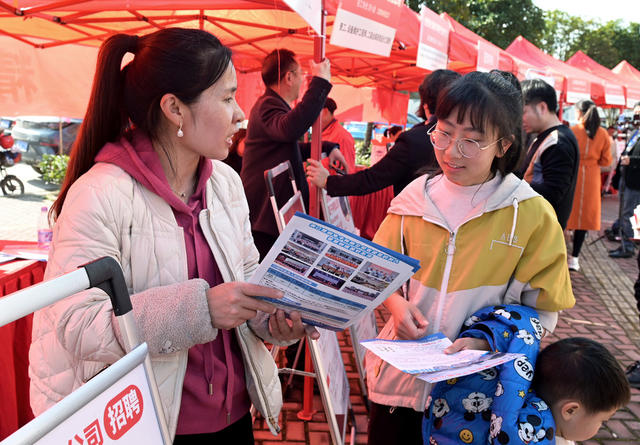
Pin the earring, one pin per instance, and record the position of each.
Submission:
(180, 133)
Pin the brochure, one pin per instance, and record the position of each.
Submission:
(425, 357)
(332, 277)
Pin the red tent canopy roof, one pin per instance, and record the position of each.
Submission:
(527, 51)
(627, 70)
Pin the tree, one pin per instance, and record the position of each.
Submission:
(498, 21)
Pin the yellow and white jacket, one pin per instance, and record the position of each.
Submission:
(107, 212)
(513, 252)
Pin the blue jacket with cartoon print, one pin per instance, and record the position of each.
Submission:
(495, 406)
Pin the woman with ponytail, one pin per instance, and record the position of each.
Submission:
(594, 146)
(146, 185)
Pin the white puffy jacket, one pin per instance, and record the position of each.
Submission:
(107, 212)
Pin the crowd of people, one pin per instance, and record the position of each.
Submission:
(483, 212)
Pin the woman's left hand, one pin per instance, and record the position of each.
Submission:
(479, 344)
(292, 328)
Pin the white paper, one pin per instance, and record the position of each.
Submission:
(426, 358)
(332, 277)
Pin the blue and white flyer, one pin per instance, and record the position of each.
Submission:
(332, 277)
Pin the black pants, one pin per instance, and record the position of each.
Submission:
(636, 286)
(394, 425)
(238, 433)
(578, 239)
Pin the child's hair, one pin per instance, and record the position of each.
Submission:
(581, 369)
(590, 115)
(491, 101)
(535, 91)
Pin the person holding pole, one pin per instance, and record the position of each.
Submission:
(146, 186)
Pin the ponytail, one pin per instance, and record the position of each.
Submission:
(105, 119)
(590, 117)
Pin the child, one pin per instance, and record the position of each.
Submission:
(583, 384)
(482, 235)
(577, 384)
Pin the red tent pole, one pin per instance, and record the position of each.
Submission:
(314, 210)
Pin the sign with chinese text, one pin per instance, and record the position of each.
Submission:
(309, 10)
(366, 25)
(488, 56)
(122, 414)
(633, 96)
(433, 45)
(614, 94)
(577, 90)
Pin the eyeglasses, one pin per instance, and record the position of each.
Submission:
(468, 148)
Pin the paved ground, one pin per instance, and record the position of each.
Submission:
(605, 311)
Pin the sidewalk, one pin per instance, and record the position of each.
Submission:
(604, 311)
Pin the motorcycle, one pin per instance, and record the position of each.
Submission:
(9, 184)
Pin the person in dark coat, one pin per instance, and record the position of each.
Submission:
(272, 136)
(410, 156)
(551, 164)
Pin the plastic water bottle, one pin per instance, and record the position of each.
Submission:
(45, 234)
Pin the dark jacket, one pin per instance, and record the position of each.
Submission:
(411, 153)
(272, 137)
(495, 406)
(553, 169)
(631, 171)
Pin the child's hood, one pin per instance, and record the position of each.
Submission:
(414, 201)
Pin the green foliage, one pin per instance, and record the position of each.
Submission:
(53, 168)
(555, 32)
(363, 153)
(498, 21)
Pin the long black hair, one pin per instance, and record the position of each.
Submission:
(184, 62)
(590, 116)
(490, 101)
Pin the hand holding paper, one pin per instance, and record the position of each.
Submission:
(231, 304)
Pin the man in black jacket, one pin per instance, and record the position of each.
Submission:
(551, 164)
(272, 136)
(628, 170)
(411, 156)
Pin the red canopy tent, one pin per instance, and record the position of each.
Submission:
(579, 85)
(612, 89)
(252, 28)
(627, 71)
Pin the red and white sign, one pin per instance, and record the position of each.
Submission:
(633, 96)
(309, 10)
(488, 56)
(433, 45)
(614, 94)
(366, 25)
(577, 90)
(122, 414)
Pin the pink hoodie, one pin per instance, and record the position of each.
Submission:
(214, 392)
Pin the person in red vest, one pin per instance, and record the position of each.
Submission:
(334, 132)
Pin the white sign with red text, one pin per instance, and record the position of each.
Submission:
(122, 414)
(488, 57)
(614, 94)
(309, 10)
(433, 45)
(577, 90)
(366, 25)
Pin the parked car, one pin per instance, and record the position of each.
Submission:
(36, 136)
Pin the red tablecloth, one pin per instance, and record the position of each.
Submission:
(369, 210)
(15, 339)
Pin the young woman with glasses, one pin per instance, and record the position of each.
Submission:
(482, 235)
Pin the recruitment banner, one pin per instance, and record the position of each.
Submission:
(633, 96)
(613, 94)
(488, 56)
(577, 90)
(310, 11)
(433, 45)
(124, 413)
(366, 25)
